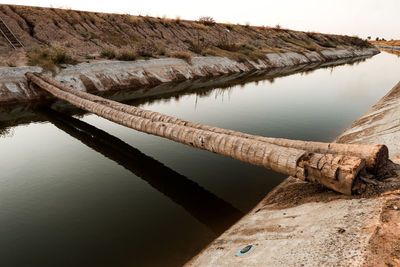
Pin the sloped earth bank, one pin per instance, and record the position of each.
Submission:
(86, 35)
(299, 224)
(113, 75)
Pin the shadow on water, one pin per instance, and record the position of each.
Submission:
(207, 208)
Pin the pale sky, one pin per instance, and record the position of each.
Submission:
(352, 17)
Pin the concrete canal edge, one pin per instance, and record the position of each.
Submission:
(389, 47)
(299, 224)
(118, 76)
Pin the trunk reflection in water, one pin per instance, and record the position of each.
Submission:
(206, 207)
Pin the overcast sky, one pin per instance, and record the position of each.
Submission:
(352, 17)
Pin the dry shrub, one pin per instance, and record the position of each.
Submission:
(229, 26)
(255, 55)
(208, 21)
(160, 49)
(133, 20)
(198, 46)
(108, 53)
(48, 59)
(145, 50)
(165, 21)
(59, 56)
(11, 64)
(199, 26)
(127, 55)
(228, 46)
(183, 55)
(209, 52)
(243, 53)
(225, 43)
(90, 57)
(150, 49)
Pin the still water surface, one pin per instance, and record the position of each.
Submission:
(89, 192)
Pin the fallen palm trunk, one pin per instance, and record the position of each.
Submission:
(337, 172)
(374, 155)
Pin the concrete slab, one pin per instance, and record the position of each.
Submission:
(301, 224)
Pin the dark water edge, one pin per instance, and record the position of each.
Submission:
(82, 191)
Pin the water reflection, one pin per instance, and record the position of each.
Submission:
(206, 207)
(12, 115)
(204, 87)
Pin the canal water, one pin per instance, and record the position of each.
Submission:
(88, 192)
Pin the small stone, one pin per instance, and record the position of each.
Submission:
(341, 230)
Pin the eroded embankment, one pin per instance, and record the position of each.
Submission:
(88, 36)
(113, 75)
(303, 224)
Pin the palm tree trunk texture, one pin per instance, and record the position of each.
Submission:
(374, 155)
(335, 171)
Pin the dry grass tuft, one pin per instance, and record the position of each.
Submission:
(208, 21)
(11, 64)
(198, 46)
(161, 50)
(199, 26)
(183, 55)
(48, 59)
(229, 26)
(165, 21)
(127, 55)
(108, 53)
(225, 43)
(133, 20)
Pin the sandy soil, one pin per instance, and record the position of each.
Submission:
(391, 43)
